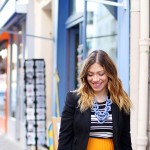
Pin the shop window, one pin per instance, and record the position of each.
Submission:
(16, 73)
(14, 80)
(2, 65)
(101, 28)
(76, 6)
(3, 57)
(2, 93)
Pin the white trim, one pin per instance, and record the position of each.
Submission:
(74, 19)
(121, 4)
(55, 6)
(21, 6)
(142, 136)
(46, 4)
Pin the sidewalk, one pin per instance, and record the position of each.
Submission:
(7, 144)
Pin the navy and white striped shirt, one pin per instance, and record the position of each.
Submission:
(98, 130)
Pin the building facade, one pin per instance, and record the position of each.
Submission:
(139, 73)
(26, 32)
(85, 26)
(63, 32)
(122, 29)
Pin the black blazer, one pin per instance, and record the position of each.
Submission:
(75, 127)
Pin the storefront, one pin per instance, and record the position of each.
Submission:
(15, 78)
(89, 25)
(12, 24)
(4, 38)
(11, 77)
(29, 38)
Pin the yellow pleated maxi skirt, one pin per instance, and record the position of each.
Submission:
(100, 144)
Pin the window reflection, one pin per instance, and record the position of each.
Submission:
(76, 6)
(2, 93)
(14, 79)
(3, 60)
(101, 28)
(16, 73)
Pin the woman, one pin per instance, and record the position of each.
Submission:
(97, 115)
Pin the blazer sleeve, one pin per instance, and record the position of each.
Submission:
(66, 127)
(125, 139)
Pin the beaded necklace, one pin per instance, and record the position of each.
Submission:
(102, 115)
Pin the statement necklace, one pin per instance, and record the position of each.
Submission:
(102, 115)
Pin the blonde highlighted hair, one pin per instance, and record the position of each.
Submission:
(115, 89)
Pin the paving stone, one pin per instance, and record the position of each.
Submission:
(7, 144)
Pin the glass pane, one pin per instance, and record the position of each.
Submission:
(76, 6)
(14, 78)
(2, 93)
(3, 66)
(17, 78)
(21, 76)
(101, 28)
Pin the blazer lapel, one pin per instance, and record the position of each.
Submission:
(115, 116)
(115, 119)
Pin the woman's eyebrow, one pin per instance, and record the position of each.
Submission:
(93, 72)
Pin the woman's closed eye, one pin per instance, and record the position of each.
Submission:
(90, 75)
(101, 74)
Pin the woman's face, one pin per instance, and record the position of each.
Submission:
(97, 78)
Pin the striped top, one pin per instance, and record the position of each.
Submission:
(98, 130)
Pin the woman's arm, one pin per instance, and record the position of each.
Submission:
(126, 136)
(66, 127)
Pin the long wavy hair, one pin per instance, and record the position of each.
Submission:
(115, 89)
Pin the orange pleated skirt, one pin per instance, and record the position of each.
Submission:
(100, 144)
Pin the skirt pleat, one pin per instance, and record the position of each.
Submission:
(100, 144)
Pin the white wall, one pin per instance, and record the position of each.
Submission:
(149, 107)
(134, 66)
(39, 23)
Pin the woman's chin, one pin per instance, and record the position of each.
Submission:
(96, 89)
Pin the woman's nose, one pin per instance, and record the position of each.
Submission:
(95, 78)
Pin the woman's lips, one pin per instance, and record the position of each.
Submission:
(96, 85)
